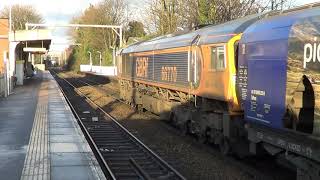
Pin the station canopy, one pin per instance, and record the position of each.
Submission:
(32, 41)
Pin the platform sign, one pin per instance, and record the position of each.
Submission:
(35, 50)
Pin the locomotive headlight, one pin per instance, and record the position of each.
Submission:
(311, 53)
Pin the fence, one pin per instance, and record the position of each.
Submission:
(100, 70)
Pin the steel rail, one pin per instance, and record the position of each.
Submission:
(163, 162)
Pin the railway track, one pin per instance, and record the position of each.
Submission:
(121, 153)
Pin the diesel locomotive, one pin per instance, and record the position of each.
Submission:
(248, 85)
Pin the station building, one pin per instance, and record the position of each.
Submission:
(19, 51)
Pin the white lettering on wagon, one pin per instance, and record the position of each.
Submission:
(258, 92)
(294, 147)
(311, 53)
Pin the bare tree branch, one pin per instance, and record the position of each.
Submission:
(21, 14)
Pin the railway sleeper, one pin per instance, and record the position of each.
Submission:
(125, 158)
(128, 166)
(126, 162)
(119, 146)
(115, 154)
(132, 172)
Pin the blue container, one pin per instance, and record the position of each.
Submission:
(273, 60)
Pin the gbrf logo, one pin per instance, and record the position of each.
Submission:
(311, 53)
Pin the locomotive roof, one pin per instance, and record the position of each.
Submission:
(283, 23)
(210, 34)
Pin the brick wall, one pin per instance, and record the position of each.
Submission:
(4, 43)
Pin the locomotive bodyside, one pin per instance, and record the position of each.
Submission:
(197, 64)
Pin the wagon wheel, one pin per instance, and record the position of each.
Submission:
(224, 146)
(204, 138)
(172, 118)
(184, 128)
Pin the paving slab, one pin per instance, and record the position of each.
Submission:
(72, 173)
(65, 138)
(68, 159)
(63, 131)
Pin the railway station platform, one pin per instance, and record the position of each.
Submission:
(39, 136)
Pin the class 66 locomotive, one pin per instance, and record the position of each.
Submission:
(246, 85)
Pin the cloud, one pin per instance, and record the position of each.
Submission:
(55, 11)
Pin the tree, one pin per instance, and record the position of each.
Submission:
(107, 12)
(168, 16)
(164, 16)
(21, 14)
(135, 29)
(206, 12)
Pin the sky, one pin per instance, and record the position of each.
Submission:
(62, 11)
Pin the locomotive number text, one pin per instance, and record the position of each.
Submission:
(169, 73)
(142, 67)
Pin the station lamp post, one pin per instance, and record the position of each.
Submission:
(90, 59)
(100, 58)
(113, 55)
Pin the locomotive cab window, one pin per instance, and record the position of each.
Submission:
(218, 56)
